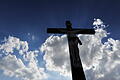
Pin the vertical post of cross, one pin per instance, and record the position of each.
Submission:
(73, 41)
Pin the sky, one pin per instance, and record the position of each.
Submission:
(23, 25)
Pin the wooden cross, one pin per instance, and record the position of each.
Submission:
(73, 40)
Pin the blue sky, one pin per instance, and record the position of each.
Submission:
(21, 17)
(28, 20)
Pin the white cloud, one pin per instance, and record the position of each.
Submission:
(10, 64)
(14, 66)
(101, 61)
(56, 54)
(14, 43)
(97, 22)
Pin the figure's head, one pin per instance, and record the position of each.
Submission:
(68, 24)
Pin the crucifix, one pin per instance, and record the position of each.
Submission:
(73, 41)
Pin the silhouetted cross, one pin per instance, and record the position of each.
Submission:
(73, 40)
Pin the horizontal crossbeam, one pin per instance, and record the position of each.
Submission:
(73, 31)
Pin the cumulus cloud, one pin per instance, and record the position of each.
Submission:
(56, 54)
(14, 43)
(101, 60)
(25, 68)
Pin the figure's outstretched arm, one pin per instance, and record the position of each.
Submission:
(79, 41)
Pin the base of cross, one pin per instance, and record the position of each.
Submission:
(77, 71)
